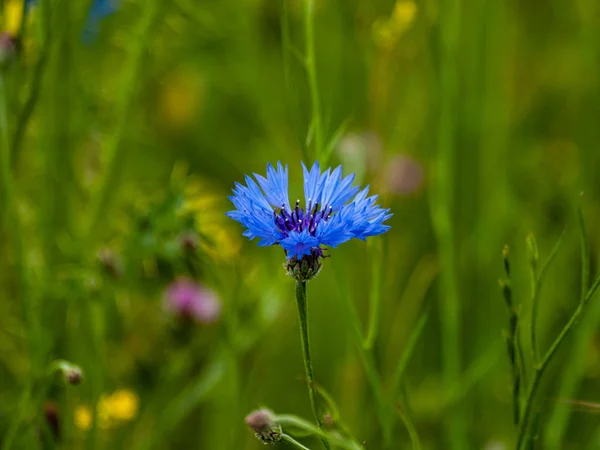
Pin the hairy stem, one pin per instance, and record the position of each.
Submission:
(308, 369)
(293, 442)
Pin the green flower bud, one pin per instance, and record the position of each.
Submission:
(304, 269)
(532, 251)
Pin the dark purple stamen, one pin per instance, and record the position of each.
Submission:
(299, 219)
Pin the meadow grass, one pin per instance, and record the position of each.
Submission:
(122, 131)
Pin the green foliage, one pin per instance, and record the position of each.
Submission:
(117, 156)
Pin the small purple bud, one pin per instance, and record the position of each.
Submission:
(74, 376)
(189, 300)
(52, 418)
(8, 49)
(71, 373)
(262, 422)
(404, 175)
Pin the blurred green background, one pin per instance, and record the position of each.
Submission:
(475, 121)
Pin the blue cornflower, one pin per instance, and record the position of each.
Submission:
(99, 9)
(334, 211)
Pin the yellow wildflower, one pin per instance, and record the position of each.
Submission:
(83, 418)
(209, 210)
(13, 10)
(388, 31)
(120, 406)
(181, 98)
(404, 15)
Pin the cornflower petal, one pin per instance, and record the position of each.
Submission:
(334, 212)
(275, 186)
(299, 244)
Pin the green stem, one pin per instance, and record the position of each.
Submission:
(30, 103)
(129, 87)
(375, 295)
(293, 441)
(10, 220)
(308, 369)
(311, 70)
(368, 362)
(537, 279)
(442, 214)
(535, 302)
(5, 154)
(294, 422)
(22, 406)
(578, 357)
(408, 351)
(291, 93)
(367, 359)
(541, 368)
(412, 431)
(585, 253)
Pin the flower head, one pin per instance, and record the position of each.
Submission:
(189, 300)
(118, 407)
(121, 405)
(334, 211)
(99, 9)
(71, 373)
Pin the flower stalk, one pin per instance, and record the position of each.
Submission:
(527, 422)
(308, 369)
(311, 69)
(293, 442)
(513, 346)
(539, 370)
